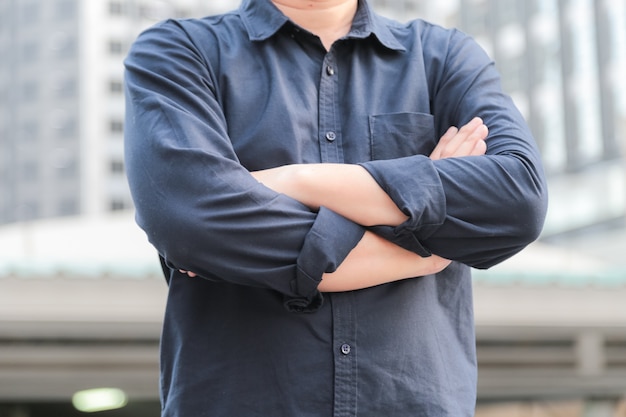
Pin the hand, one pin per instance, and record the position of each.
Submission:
(467, 141)
(189, 273)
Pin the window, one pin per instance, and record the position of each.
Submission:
(66, 9)
(30, 52)
(117, 167)
(66, 166)
(117, 205)
(64, 45)
(27, 211)
(510, 11)
(116, 8)
(30, 171)
(29, 131)
(66, 88)
(116, 48)
(30, 91)
(30, 13)
(68, 207)
(116, 126)
(116, 87)
(66, 127)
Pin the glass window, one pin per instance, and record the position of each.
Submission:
(30, 171)
(583, 88)
(116, 47)
(116, 87)
(117, 167)
(30, 52)
(66, 128)
(117, 205)
(116, 8)
(66, 88)
(68, 171)
(30, 13)
(66, 9)
(29, 131)
(68, 206)
(116, 126)
(30, 91)
(64, 45)
(27, 211)
(510, 11)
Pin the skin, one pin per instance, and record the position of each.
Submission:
(328, 19)
(358, 197)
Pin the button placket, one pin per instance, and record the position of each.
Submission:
(329, 123)
(345, 354)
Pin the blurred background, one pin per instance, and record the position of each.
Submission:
(81, 295)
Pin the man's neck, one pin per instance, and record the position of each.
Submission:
(328, 19)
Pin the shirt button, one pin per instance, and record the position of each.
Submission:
(331, 136)
(345, 349)
(330, 70)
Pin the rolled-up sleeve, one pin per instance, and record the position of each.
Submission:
(476, 210)
(200, 208)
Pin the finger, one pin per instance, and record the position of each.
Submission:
(473, 124)
(475, 142)
(443, 142)
(457, 145)
(449, 135)
(465, 141)
(480, 133)
(479, 149)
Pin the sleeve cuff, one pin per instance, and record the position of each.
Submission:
(327, 244)
(414, 185)
(403, 238)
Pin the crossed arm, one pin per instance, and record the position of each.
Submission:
(358, 197)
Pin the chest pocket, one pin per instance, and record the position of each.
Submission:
(396, 135)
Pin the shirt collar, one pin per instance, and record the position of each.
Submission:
(262, 20)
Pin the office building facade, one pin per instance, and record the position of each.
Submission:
(62, 102)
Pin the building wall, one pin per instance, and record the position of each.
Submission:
(39, 103)
(61, 128)
(62, 104)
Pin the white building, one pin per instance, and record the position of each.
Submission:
(62, 102)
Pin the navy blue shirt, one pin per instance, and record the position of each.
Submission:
(209, 100)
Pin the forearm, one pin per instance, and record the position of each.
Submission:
(345, 189)
(352, 192)
(376, 261)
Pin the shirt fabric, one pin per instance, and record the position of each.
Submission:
(209, 100)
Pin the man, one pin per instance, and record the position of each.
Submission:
(298, 157)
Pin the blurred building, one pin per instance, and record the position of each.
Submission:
(62, 102)
(563, 63)
(81, 298)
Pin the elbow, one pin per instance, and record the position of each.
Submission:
(171, 235)
(524, 202)
(166, 224)
(522, 226)
(532, 212)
